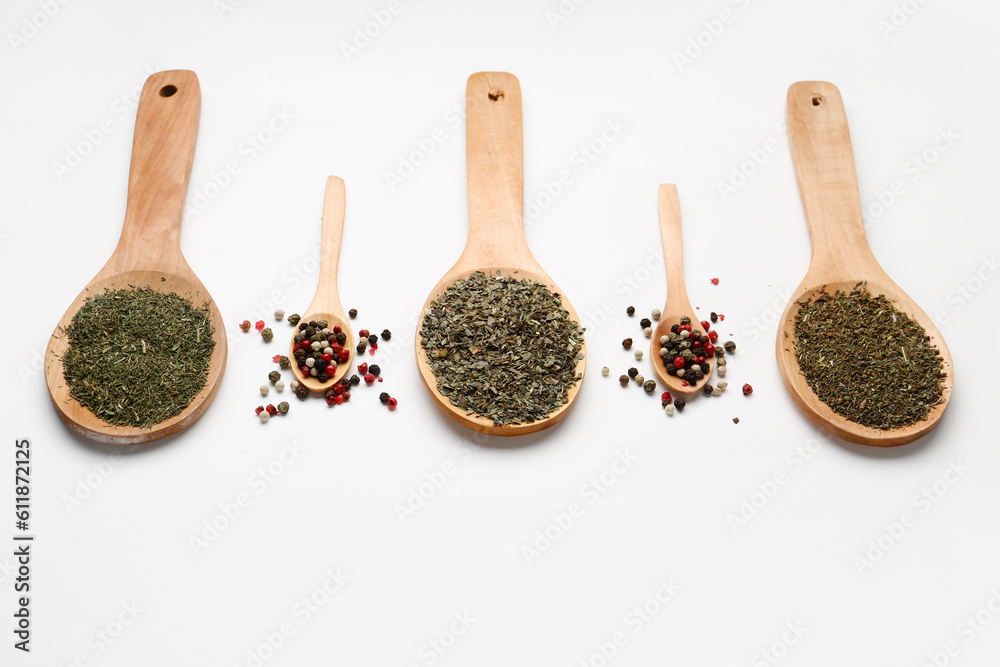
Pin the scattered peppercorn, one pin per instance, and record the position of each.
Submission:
(632, 372)
(715, 281)
(627, 343)
(639, 380)
(372, 340)
(623, 380)
(707, 389)
(669, 409)
(723, 384)
(679, 403)
(605, 371)
(384, 397)
(267, 334)
(245, 325)
(264, 416)
(260, 409)
(386, 334)
(655, 314)
(647, 332)
(630, 311)
(736, 420)
(279, 314)
(264, 389)
(375, 370)
(294, 319)
(638, 355)
(271, 410)
(392, 403)
(259, 325)
(369, 378)
(274, 376)
(649, 386)
(355, 380)
(730, 346)
(283, 407)
(279, 386)
(644, 322)
(714, 317)
(747, 390)
(353, 312)
(301, 391)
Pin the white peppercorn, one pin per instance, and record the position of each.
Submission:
(264, 416)
(638, 355)
(264, 389)
(293, 385)
(655, 314)
(279, 314)
(279, 386)
(721, 371)
(605, 371)
(647, 332)
(723, 384)
(669, 409)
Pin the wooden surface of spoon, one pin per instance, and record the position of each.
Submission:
(496, 239)
(326, 303)
(149, 250)
(677, 304)
(841, 258)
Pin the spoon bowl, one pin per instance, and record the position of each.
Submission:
(841, 257)
(677, 304)
(148, 253)
(496, 239)
(326, 303)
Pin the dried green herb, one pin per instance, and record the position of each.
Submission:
(502, 348)
(137, 357)
(867, 360)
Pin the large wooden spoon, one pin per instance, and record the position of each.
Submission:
(496, 239)
(841, 257)
(149, 251)
(326, 303)
(677, 304)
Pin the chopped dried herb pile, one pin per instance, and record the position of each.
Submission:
(867, 360)
(502, 348)
(137, 357)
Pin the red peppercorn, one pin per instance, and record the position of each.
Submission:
(330, 401)
(666, 397)
(276, 358)
(392, 403)
(327, 356)
(338, 399)
(747, 390)
(336, 347)
(337, 329)
(369, 378)
(260, 409)
(709, 350)
(699, 359)
(695, 345)
(339, 389)
(343, 355)
(364, 333)
(715, 281)
(305, 370)
(705, 326)
(260, 325)
(713, 336)
(722, 317)
(679, 362)
(684, 327)
(271, 410)
(245, 325)
(363, 368)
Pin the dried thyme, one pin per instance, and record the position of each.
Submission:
(502, 348)
(867, 360)
(137, 357)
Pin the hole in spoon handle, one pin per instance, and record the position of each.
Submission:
(166, 129)
(824, 163)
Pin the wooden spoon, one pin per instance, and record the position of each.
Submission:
(496, 239)
(149, 251)
(677, 304)
(841, 258)
(326, 303)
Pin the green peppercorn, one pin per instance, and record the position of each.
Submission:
(294, 319)
(623, 380)
(685, 320)
(730, 346)
(267, 334)
(274, 376)
(283, 407)
(649, 386)
(321, 324)
(283, 362)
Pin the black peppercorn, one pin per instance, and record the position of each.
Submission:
(274, 376)
(341, 337)
(330, 392)
(630, 310)
(730, 346)
(372, 339)
(644, 322)
(386, 334)
(353, 312)
(707, 389)
(362, 346)
(632, 372)
(355, 380)
(627, 343)
(301, 391)
(374, 370)
(705, 367)
(623, 380)
(714, 317)
(679, 403)
(384, 397)
(675, 329)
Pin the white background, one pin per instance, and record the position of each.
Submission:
(124, 537)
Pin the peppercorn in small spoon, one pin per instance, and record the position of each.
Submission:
(841, 258)
(677, 305)
(149, 250)
(496, 240)
(326, 303)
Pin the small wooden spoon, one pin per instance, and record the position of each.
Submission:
(841, 257)
(149, 251)
(496, 239)
(326, 303)
(677, 304)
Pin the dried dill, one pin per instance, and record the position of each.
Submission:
(502, 348)
(137, 357)
(867, 360)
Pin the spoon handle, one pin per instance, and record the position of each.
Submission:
(495, 171)
(673, 247)
(166, 128)
(334, 206)
(828, 183)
